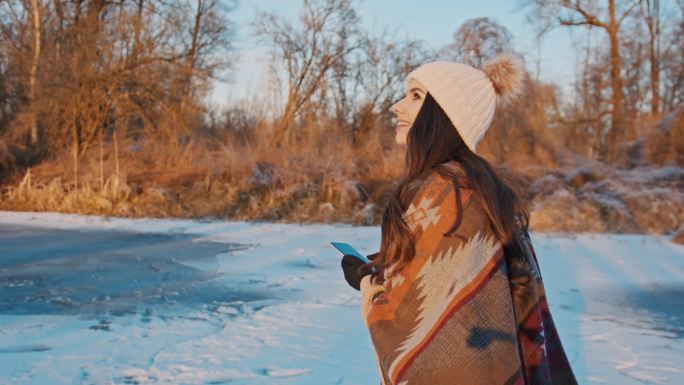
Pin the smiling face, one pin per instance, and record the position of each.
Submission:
(407, 109)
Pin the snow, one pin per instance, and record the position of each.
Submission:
(86, 299)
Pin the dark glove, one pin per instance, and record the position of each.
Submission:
(354, 269)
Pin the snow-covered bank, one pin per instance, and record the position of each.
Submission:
(213, 302)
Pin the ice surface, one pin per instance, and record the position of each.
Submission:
(93, 300)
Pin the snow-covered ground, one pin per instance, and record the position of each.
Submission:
(91, 300)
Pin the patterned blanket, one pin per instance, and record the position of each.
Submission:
(449, 317)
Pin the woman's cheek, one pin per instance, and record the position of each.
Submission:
(402, 133)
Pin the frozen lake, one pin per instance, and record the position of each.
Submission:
(98, 273)
(91, 300)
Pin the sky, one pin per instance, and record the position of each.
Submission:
(432, 21)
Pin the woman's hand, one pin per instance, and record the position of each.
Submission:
(354, 270)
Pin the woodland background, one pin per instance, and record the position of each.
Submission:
(103, 111)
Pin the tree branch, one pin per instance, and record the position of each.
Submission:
(637, 2)
(588, 18)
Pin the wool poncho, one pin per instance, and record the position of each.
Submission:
(448, 317)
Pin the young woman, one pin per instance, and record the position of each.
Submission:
(455, 296)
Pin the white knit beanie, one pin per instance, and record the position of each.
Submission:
(469, 95)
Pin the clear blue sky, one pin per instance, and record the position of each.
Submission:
(433, 21)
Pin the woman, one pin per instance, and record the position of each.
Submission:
(455, 296)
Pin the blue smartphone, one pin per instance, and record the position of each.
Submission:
(346, 249)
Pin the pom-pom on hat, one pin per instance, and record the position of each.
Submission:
(469, 95)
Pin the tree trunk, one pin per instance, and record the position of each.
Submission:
(616, 83)
(283, 133)
(653, 23)
(192, 55)
(35, 27)
(138, 29)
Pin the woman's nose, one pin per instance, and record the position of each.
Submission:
(395, 108)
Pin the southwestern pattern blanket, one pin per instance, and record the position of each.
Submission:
(449, 317)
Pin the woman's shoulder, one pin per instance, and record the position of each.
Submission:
(437, 179)
(450, 173)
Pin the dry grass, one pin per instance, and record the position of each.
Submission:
(320, 179)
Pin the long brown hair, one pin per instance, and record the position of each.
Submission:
(432, 142)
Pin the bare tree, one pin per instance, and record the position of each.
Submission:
(25, 47)
(672, 61)
(207, 45)
(86, 69)
(651, 13)
(588, 13)
(477, 40)
(379, 77)
(342, 72)
(35, 10)
(307, 51)
(586, 116)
